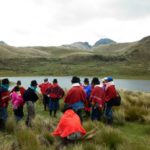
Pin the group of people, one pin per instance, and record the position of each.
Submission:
(93, 100)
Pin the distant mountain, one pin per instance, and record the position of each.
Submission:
(103, 41)
(2, 42)
(78, 45)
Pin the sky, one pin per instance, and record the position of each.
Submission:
(58, 22)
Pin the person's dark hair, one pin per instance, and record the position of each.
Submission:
(16, 89)
(75, 79)
(55, 81)
(5, 81)
(86, 80)
(95, 81)
(46, 80)
(34, 83)
(18, 82)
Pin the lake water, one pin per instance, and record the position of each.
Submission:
(65, 82)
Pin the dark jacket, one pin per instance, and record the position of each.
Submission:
(30, 95)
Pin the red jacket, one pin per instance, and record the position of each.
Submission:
(110, 91)
(98, 96)
(55, 91)
(4, 98)
(68, 124)
(44, 86)
(21, 89)
(75, 94)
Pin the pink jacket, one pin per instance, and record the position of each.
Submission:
(16, 100)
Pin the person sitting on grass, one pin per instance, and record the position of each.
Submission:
(69, 128)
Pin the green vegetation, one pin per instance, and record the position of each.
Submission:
(122, 60)
(130, 131)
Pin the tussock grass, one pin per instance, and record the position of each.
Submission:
(109, 137)
(119, 116)
(11, 125)
(130, 131)
(27, 140)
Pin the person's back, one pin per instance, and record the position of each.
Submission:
(30, 98)
(97, 99)
(69, 124)
(76, 96)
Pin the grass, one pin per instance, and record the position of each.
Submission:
(128, 132)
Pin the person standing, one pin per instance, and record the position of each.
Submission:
(21, 88)
(55, 93)
(87, 88)
(43, 87)
(17, 103)
(110, 94)
(76, 96)
(4, 99)
(97, 99)
(30, 98)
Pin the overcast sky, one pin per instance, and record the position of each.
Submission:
(57, 22)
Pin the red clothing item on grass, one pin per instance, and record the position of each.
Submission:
(69, 124)
(75, 94)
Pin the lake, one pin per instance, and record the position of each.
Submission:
(65, 82)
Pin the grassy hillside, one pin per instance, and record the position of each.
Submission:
(130, 131)
(123, 60)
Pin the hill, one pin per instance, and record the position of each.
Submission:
(122, 60)
(103, 41)
(78, 45)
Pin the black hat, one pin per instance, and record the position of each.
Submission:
(95, 81)
(5, 81)
(34, 83)
(75, 79)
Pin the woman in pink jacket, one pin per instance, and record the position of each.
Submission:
(17, 103)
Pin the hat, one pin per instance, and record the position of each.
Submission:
(34, 83)
(5, 81)
(109, 79)
(75, 79)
